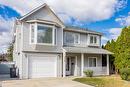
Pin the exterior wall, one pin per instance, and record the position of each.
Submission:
(44, 14)
(84, 40)
(27, 46)
(25, 61)
(78, 62)
(17, 52)
(99, 59)
(98, 70)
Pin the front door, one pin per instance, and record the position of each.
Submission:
(70, 66)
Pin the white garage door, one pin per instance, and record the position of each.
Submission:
(42, 66)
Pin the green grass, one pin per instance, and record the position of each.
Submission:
(91, 81)
(109, 81)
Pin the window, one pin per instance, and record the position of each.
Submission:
(44, 34)
(71, 37)
(93, 39)
(32, 33)
(92, 62)
(76, 38)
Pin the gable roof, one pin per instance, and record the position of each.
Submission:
(70, 28)
(38, 8)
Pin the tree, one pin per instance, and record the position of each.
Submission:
(122, 51)
(111, 47)
(10, 52)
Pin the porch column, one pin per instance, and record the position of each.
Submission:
(107, 64)
(64, 64)
(82, 64)
(75, 72)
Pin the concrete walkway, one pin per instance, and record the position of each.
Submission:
(44, 82)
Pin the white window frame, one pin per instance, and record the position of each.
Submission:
(74, 37)
(92, 58)
(97, 41)
(78, 38)
(36, 31)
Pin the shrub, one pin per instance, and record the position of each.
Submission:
(88, 73)
(124, 73)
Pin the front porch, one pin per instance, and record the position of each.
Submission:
(75, 63)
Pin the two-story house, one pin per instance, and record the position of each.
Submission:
(45, 47)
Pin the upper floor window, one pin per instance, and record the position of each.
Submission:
(73, 38)
(42, 34)
(93, 39)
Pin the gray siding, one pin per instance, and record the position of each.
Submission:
(40, 48)
(44, 14)
(99, 59)
(78, 62)
(84, 40)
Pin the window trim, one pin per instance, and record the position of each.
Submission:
(36, 32)
(92, 58)
(74, 37)
(97, 40)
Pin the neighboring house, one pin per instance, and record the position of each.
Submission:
(45, 47)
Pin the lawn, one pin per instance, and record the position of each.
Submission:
(108, 81)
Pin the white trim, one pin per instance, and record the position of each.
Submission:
(107, 64)
(74, 35)
(62, 37)
(78, 38)
(64, 64)
(82, 64)
(52, 34)
(97, 40)
(36, 31)
(32, 11)
(21, 54)
(38, 8)
(76, 66)
(92, 58)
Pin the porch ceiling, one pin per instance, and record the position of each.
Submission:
(87, 50)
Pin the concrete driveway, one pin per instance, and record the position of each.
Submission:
(5, 77)
(44, 82)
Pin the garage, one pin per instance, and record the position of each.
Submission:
(43, 66)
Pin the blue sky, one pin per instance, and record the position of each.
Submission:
(106, 16)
